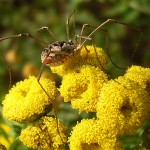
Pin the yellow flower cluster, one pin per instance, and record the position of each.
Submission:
(44, 134)
(27, 101)
(85, 135)
(81, 87)
(91, 134)
(140, 75)
(122, 107)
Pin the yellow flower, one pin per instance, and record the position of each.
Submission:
(90, 134)
(95, 57)
(26, 101)
(140, 75)
(124, 105)
(81, 87)
(45, 135)
(84, 136)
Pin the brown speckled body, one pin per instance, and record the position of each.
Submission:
(56, 53)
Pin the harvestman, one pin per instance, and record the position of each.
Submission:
(56, 53)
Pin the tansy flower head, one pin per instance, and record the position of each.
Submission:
(85, 135)
(81, 87)
(26, 100)
(123, 104)
(90, 134)
(88, 55)
(140, 75)
(44, 134)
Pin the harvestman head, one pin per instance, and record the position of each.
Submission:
(56, 53)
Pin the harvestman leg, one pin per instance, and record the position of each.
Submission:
(90, 38)
(38, 79)
(9, 70)
(21, 35)
(68, 31)
(118, 22)
(108, 21)
(39, 76)
(50, 32)
(24, 35)
(107, 44)
(17, 36)
(67, 24)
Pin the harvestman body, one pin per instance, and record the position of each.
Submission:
(56, 53)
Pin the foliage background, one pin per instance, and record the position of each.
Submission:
(20, 16)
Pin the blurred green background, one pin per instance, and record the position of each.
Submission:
(23, 54)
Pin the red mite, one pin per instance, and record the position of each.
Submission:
(57, 53)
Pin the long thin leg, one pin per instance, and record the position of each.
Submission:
(90, 38)
(83, 29)
(107, 49)
(83, 37)
(24, 35)
(17, 36)
(108, 21)
(136, 47)
(9, 70)
(50, 32)
(38, 80)
(100, 26)
(67, 24)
